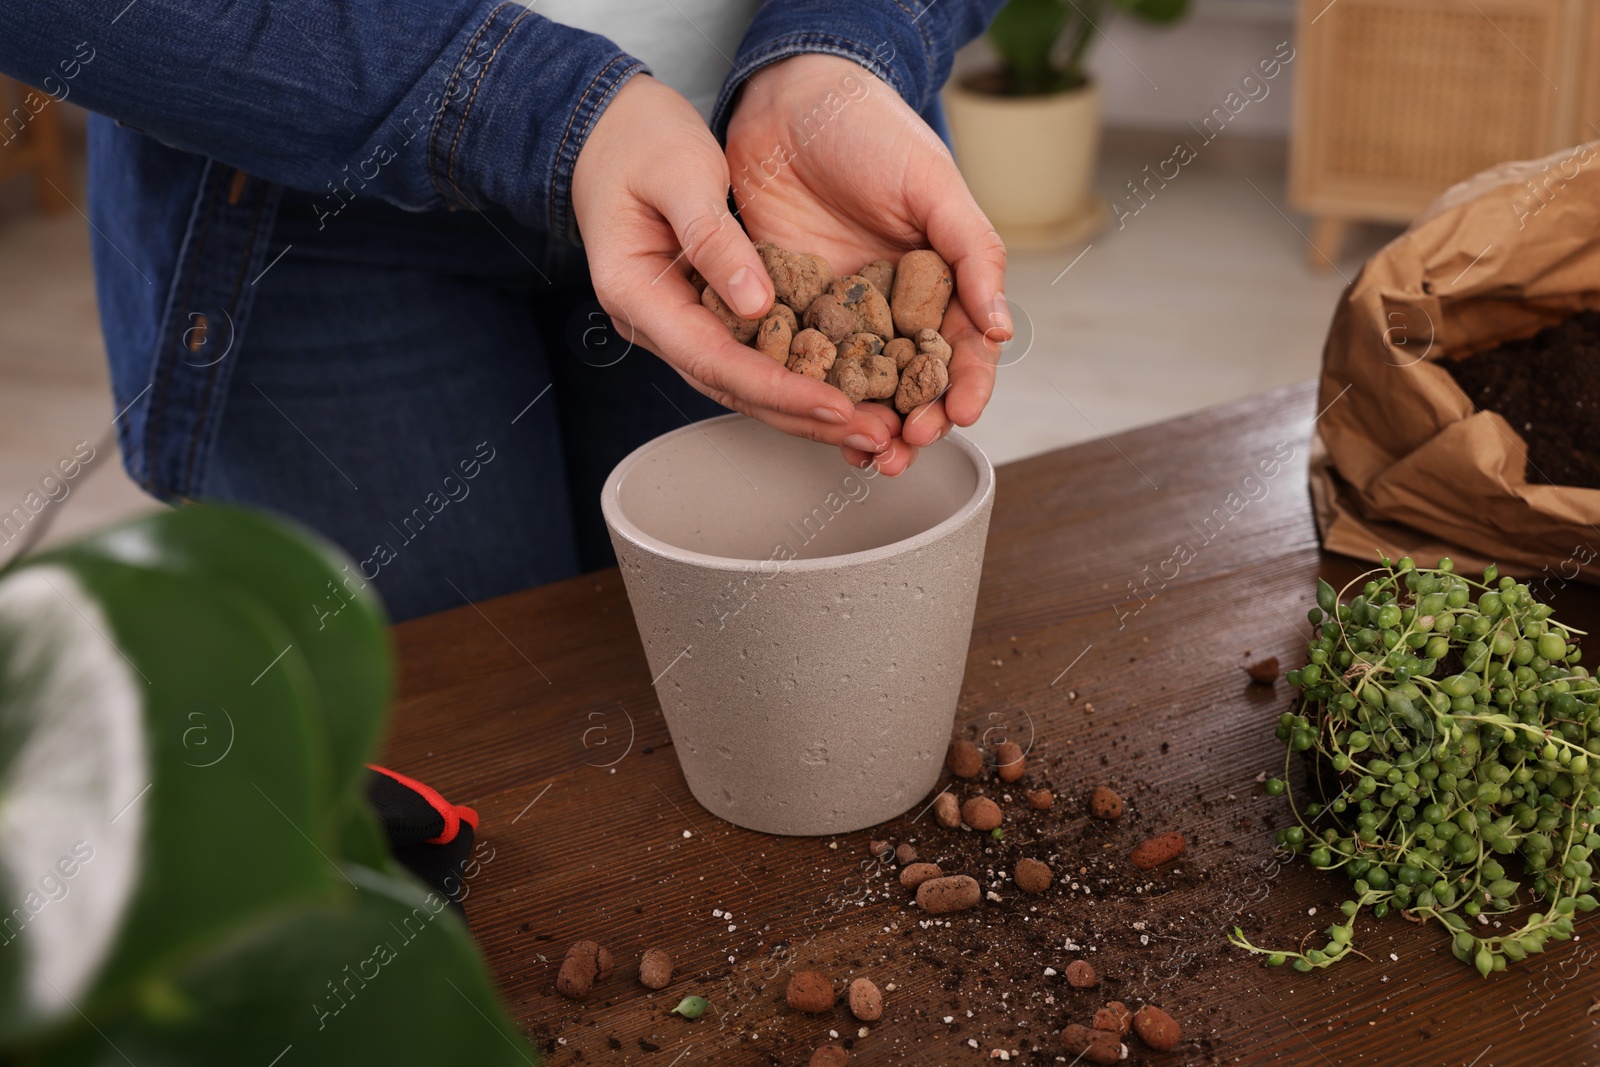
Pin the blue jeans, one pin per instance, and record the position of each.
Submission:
(439, 394)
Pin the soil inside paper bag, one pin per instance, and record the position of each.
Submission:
(1548, 388)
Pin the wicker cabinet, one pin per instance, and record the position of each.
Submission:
(1399, 99)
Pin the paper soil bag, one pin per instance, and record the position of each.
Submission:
(1402, 464)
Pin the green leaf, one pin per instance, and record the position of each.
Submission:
(182, 734)
(387, 975)
(1156, 11)
(1024, 32)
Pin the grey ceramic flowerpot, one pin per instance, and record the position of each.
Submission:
(806, 623)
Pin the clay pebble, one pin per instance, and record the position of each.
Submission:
(964, 759)
(744, 330)
(981, 813)
(862, 300)
(585, 964)
(1033, 876)
(1010, 762)
(810, 992)
(655, 969)
(922, 287)
(1041, 799)
(940, 896)
(1095, 1046)
(917, 873)
(829, 1056)
(796, 279)
(1114, 1017)
(1156, 1028)
(947, 811)
(905, 854)
(1080, 975)
(1158, 850)
(924, 380)
(866, 1003)
(1104, 803)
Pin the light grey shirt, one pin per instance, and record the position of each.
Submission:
(688, 44)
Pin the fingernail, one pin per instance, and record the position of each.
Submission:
(745, 293)
(833, 415)
(863, 443)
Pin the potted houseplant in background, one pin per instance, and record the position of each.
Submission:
(190, 872)
(1027, 132)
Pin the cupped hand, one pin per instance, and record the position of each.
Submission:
(650, 191)
(826, 158)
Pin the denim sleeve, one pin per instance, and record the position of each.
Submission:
(909, 44)
(423, 103)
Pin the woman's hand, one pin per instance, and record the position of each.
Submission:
(649, 181)
(826, 158)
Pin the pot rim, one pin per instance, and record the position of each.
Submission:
(611, 508)
(956, 87)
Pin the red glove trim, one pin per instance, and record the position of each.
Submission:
(453, 814)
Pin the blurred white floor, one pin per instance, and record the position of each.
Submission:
(1202, 297)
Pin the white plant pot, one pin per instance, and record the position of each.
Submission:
(813, 694)
(1030, 160)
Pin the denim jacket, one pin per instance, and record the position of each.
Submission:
(427, 104)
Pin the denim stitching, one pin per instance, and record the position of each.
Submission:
(556, 225)
(466, 111)
(455, 76)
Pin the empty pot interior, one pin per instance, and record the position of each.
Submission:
(736, 488)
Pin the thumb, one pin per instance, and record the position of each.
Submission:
(717, 246)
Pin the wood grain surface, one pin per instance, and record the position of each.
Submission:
(537, 709)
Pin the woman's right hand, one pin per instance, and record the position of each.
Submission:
(650, 181)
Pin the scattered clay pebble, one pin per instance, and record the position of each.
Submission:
(1156, 1028)
(810, 992)
(879, 849)
(1096, 1046)
(1041, 799)
(1033, 876)
(981, 813)
(866, 1003)
(905, 854)
(585, 964)
(1104, 803)
(1010, 762)
(940, 896)
(947, 811)
(964, 759)
(655, 969)
(881, 274)
(1263, 672)
(1080, 975)
(1114, 1017)
(829, 1056)
(917, 873)
(1158, 850)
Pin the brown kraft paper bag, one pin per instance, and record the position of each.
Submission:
(1401, 462)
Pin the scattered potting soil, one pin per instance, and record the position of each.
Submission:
(1548, 388)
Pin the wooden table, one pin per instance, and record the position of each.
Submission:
(537, 709)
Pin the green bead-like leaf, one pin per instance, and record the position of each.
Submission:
(691, 1007)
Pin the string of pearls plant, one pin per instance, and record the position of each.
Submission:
(1452, 726)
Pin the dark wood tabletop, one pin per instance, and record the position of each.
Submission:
(537, 709)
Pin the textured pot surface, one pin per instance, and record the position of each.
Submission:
(806, 623)
(1028, 160)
